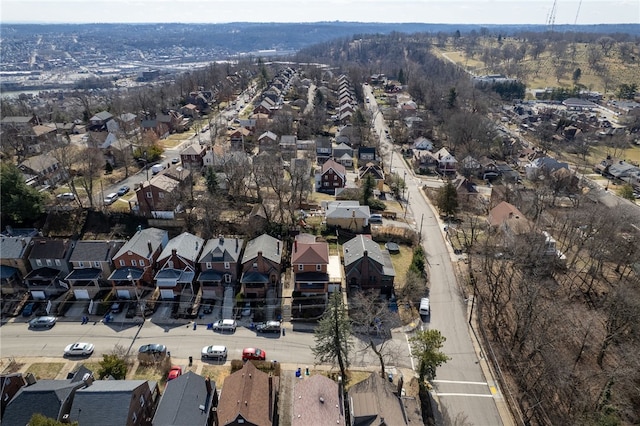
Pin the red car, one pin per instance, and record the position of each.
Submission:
(253, 353)
(174, 373)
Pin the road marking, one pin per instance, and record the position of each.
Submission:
(493, 390)
(479, 395)
(462, 383)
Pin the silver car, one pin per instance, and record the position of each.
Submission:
(43, 322)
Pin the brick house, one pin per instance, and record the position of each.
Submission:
(192, 157)
(309, 264)
(91, 263)
(135, 262)
(332, 175)
(176, 265)
(219, 265)
(261, 266)
(367, 266)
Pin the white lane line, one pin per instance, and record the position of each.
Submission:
(479, 395)
(462, 383)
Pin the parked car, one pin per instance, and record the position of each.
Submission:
(214, 352)
(109, 199)
(43, 322)
(225, 325)
(174, 373)
(246, 311)
(28, 309)
(78, 349)
(116, 308)
(253, 353)
(123, 190)
(375, 218)
(175, 160)
(66, 196)
(153, 351)
(269, 327)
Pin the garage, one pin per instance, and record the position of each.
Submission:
(166, 294)
(81, 294)
(124, 294)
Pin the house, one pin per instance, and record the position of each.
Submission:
(10, 384)
(14, 263)
(99, 121)
(190, 110)
(42, 170)
(288, 147)
(375, 171)
(376, 401)
(157, 197)
(343, 154)
(115, 402)
(367, 154)
(249, 397)
(323, 149)
(488, 168)
(332, 175)
(261, 266)
(51, 398)
(507, 218)
(447, 163)
(135, 262)
(318, 400)
(177, 266)
(309, 264)
(49, 259)
(92, 265)
(465, 188)
(192, 157)
(348, 215)
(267, 141)
(543, 165)
(367, 266)
(422, 143)
(219, 264)
(189, 400)
(237, 138)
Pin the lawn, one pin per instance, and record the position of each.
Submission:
(45, 370)
(217, 373)
(401, 262)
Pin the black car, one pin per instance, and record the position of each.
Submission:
(123, 190)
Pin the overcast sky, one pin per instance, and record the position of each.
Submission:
(421, 11)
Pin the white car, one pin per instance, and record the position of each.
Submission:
(109, 199)
(214, 352)
(79, 349)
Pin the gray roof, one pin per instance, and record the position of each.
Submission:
(222, 249)
(355, 248)
(138, 244)
(95, 251)
(181, 401)
(346, 212)
(14, 247)
(102, 115)
(39, 163)
(622, 168)
(44, 248)
(270, 247)
(187, 246)
(45, 397)
(105, 402)
(374, 402)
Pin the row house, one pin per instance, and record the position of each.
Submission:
(367, 266)
(14, 262)
(135, 262)
(219, 264)
(309, 264)
(91, 263)
(261, 266)
(49, 260)
(177, 266)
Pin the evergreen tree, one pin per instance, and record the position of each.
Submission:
(211, 180)
(425, 346)
(368, 184)
(333, 335)
(448, 199)
(20, 202)
(112, 365)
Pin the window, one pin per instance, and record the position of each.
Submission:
(301, 267)
(122, 262)
(142, 400)
(335, 177)
(96, 264)
(208, 265)
(226, 265)
(49, 262)
(255, 265)
(161, 195)
(149, 195)
(58, 262)
(80, 264)
(170, 264)
(141, 262)
(38, 262)
(227, 278)
(134, 418)
(318, 267)
(133, 262)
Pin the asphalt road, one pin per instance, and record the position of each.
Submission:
(461, 387)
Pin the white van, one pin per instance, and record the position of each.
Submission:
(157, 168)
(214, 352)
(225, 325)
(109, 199)
(424, 306)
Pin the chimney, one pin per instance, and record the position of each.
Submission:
(278, 248)
(221, 239)
(150, 246)
(400, 384)
(365, 253)
(174, 252)
(295, 245)
(237, 245)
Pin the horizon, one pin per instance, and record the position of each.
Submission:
(436, 12)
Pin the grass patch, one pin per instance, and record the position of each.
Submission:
(151, 372)
(401, 262)
(45, 370)
(216, 373)
(355, 376)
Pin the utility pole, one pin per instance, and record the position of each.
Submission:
(420, 232)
